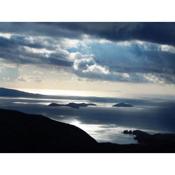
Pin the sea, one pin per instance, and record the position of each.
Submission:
(103, 122)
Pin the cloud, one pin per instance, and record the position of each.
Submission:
(47, 29)
(28, 50)
(87, 67)
(162, 33)
(131, 52)
(131, 61)
(157, 32)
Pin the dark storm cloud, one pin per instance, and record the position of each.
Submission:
(13, 49)
(163, 33)
(40, 29)
(157, 32)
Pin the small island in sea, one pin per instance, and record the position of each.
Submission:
(72, 105)
(123, 105)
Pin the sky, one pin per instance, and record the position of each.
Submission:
(91, 59)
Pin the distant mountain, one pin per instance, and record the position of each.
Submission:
(73, 105)
(5, 92)
(122, 105)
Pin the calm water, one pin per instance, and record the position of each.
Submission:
(104, 122)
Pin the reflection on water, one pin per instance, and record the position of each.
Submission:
(103, 122)
(107, 133)
(104, 133)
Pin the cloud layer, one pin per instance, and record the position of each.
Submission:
(127, 52)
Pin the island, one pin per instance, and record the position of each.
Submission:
(122, 105)
(145, 138)
(72, 105)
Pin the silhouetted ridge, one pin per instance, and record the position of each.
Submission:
(21, 132)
